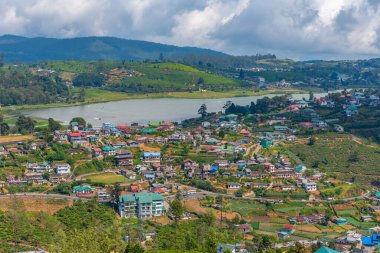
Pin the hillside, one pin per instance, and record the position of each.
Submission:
(22, 49)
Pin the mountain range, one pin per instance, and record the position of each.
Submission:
(23, 49)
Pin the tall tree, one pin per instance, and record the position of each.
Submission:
(79, 120)
(203, 110)
(53, 125)
(24, 124)
(177, 209)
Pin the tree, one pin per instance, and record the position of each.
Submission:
(311, 96)
(4, 129)
(116, 194)
(203, 110)
(1, 60)
(241, 74)
(53, 125)
(79, 120)
(312, 141)
(24, 124)
(177, 209)
(134, 248)
(200, 80)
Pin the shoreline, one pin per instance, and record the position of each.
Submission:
(119, 96)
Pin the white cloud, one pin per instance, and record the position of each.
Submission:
(297, 28)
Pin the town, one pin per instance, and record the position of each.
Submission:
(269, 170)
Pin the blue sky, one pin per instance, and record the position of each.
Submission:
(299, 29)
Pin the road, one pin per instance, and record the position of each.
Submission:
(202, 193)
(42, 195)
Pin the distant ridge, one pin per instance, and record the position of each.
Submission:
(23, 49)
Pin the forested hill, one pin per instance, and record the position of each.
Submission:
(22, 49)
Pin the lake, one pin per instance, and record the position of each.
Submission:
(143, 110)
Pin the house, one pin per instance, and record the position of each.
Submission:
(76, 138)
(269, 167)
(338, 128)
(281, 128)
(35, 178)
(128, 174)
(151, 157)
(133, 144)
(84, 190)
(39, 168)
(245, 228)
(340, 221)
(124, 157)
(222, 163)
(141, 205)
(288, 229)
(309, 186)
(212, 141)
(63, 168)
(233, 186)
(266, 142)
(108, 150)
(96, 152)
(325, 249)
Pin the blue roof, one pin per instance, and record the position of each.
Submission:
(151, 154)
(367, 241)
(214, 167)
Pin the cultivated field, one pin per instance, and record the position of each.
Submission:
(32, 204)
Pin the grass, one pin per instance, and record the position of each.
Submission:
(16, 138)
(106, 178)
(246, 209)
(334, 154)
(93, 95)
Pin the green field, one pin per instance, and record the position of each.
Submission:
(106, 178)
(339, 153)
(245, 208)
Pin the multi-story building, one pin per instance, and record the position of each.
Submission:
(309, 186)
(141, 205)
(62, 168)
(152, 157)
(124, 157)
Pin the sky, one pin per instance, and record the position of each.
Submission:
(297, 29)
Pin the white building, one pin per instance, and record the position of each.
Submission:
(141, 205)
(309, 186)
(62, 168)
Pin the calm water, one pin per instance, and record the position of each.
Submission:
(142, 110)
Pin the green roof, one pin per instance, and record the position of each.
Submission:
(141, 197)
(153, 123)
(148, 130)
(82, 188)
(325, 249)
(108, 148)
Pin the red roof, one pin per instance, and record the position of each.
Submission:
(288, 227)
(158, 190)
(123, 128)
(166, 123)
(134, 188)
(306, 124)
(188, 160)
(76, 134)
(244, 131)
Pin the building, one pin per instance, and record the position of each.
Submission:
(124, 157)
(62, 168)
(325, 249)
(266, 142)
(152, 157)
(141, 205)
(309, 186)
